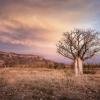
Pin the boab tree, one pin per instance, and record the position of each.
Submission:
(79, 45)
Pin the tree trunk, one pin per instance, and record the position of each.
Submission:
(78, 66)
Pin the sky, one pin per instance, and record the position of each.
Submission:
(35, 26)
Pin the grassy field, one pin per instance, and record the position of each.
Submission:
(47, 84)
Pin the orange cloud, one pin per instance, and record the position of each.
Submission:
(39, 24)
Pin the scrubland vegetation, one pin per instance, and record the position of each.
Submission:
(47, 84)
(25, 77)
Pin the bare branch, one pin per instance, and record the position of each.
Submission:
(79, 43)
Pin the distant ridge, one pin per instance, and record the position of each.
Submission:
(11, 59)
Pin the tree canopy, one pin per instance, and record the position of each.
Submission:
(79, 43)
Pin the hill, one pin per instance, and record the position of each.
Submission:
(11, 59)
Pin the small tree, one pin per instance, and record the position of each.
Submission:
(79, 45)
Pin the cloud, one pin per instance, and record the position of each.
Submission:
(39, 24)
(64, 11)
(16, 32)
(45, 7)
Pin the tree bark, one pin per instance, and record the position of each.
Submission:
(78, 66)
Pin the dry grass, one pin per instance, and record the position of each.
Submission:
(47, 84)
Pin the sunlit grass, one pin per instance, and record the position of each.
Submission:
(47, 84)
